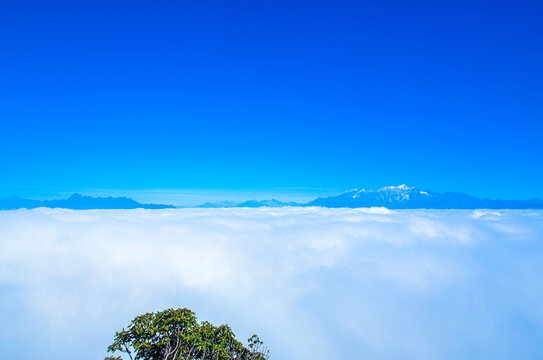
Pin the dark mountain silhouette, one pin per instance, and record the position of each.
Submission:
(79, 202)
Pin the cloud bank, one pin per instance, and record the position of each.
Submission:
(314, 283)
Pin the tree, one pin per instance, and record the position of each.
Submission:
(177, 335)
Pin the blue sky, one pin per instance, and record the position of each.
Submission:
(288, 98)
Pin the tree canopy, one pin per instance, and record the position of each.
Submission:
(177, 335)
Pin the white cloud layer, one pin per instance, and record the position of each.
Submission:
(314, 283)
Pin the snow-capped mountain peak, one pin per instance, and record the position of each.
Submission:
(402, 187)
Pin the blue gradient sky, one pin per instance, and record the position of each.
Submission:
(275, 97)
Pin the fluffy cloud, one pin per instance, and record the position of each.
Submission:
(314, 283)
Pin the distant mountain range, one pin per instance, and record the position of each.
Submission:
(78, 202)
(398, 197)
(391, 197)
(404, 197)
(250, 204)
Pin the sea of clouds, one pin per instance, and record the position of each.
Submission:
(314, 283)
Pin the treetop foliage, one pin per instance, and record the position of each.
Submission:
(177, 335)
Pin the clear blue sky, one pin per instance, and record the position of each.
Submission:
(271, 95)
